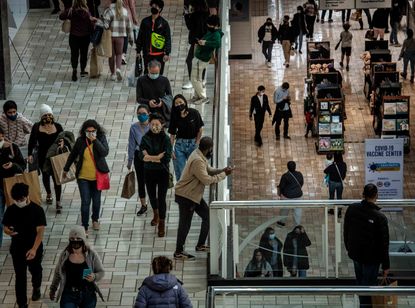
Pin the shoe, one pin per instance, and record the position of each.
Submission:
(341, 64)
(155, 220)
(387, 31)
(95, 225)
(188, 85)
(287, 137)
(203, 248)
(74, 75)
(55, 11)
(330, 20)
(201, 101)
(161, 228)
(113, 77)
(58, 207)
(277, 137)
(49, 199)
(280, 223)
(306, 135)
(193, 99)
(269, 64)
(300, 52)
(330, 211)
(287, 65)
(84, 74)
(184, 256)
(397, 45)
(119, 76)
(347, 68)
(123, 61)
(403, 75)
(142, 210)
(339, 213)
(36, 294)
(322, 21)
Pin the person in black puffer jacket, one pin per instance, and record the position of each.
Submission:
(295, 252)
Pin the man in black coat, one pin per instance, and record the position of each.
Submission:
(366, 237)
(267, 35)
(259, 105)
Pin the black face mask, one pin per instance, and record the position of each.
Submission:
(209, 155)
(76, 244)
(211, 29)
(268, 23)
(154, 11)
(181, 107)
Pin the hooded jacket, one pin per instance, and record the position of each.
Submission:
(196, 24)
(11, 154)
(303, 242)
(54, 149)
(16, 131)
(261, 33)
(213, 41)
(162, 291)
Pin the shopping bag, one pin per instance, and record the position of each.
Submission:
(66, 25)
(138, 66)
(29, 178)
(58, 162)
(103, 180)
(389, 301)
(128, 188)
(95, 66)
(104, 48)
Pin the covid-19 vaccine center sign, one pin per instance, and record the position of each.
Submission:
(384, 166)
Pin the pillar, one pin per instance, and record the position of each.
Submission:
(5, 68)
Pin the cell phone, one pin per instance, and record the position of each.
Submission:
(87, 271)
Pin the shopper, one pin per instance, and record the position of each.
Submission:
(116, 19)
(311, 13)
(346, 16)
(25, 222)
(82, 26)
(77, 272)
(11, 163)
(93, 6)
(380, 23)
(366, 237)
(258, 266)
(129, 5)
(154, 38)
(56, 8)
(369, 18)
(395, 21)
(323, 15)
(408, 54)
(286, 38)
(204, 51)
(43, 135)
(89, 152)
(162, 289)
(283, 111)
(196, 24)
(346, 38)
(336, 173)
(290, 187)
(186, 128)
(197, 174)
(267, 35)
(295, 252)
(259, 105)
(299, 28)
(137, 132)
(309, 121)
(271, 248)
(14, 124)
(155, 151)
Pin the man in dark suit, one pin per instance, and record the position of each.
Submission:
(259, 105)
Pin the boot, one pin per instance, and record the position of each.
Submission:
(162, 228)
(155, 220)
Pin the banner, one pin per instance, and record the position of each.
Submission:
(336, 4)
(373, 4)
(384, 166)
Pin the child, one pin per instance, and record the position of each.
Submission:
(309, 119)
(346, 45)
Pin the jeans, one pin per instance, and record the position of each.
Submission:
(157, 182)
(267, 50)
(79, 48)
(46, 183)
(409, 57)
(335, 187)
(366, 275)
(299, 41)
(186, 210)
(182, 149)
(2, 206)
(198, 66)
(394, 34)
(259, 124)
(82, 299)
(89, 192)
(21, 265)
(148, 58)
(116, 59)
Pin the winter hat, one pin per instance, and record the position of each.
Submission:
(78, 232)
(45, 109)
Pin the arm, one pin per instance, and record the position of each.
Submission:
(101, 146)
(74, 153)
(131, 147)
(141, 300)
(261, 34)
(200, 171)
(143, 153)
(301, 180)
(184, 301)
(384, 242)
(199, 135)
(305, 240)
(56, 276)
(132, 4)
(268, 107)
(282, 184)
(98, 269)
(19, 163)
(167, 48)
(107, 18)
(140, 93)
(65, 14)
(30, 255)
(188, 21)
(167, 151)
(27, 125)
(33, 139)
(215, 43)
(251, 108)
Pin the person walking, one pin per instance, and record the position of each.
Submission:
(346, 15)
(82, 26)
(197, 174)
(286, 38)
(283, 111)
(366, 237)
(258, 266)
(155, 152)
(311, 14)
(267, 35)
(295, 252)
(323, 16)
(42, 136)
(395, 21)
(408, 54)
(290, 187)
(186, 128)
(162, 289)
(336, 173)
(380, 23)
(299, 28)
(137, 132)
(77, 272)
(116, 19)
(25, 222)
(89, 152)
(259, 105)
(129, 5)
(154, 38)
(360, 17)
(346, 38)
(271, 248)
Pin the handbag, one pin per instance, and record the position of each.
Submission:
(388, 301)
(138, 66)
(104, 48)
(128, 188)
(29, 178)
(66, 25)
(95, 64)
(58, 163)
(103, 179)
(34, 165)
(96, 35)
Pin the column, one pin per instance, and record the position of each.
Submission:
(5, 68)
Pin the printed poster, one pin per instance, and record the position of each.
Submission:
(373, 4)
(336, 4)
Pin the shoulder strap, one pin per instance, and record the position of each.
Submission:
(90, 153)
(295, 179)
(338, 171)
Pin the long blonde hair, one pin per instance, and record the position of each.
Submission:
(118, 8)
(80, 4)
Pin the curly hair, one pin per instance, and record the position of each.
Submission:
(161, 265)
(91, 123)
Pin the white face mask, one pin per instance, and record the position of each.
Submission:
(22, 203)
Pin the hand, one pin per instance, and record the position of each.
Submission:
(92, 137)
(161, 155)
(7, 165)
(30, 159)
(93, 19)
(61, 143)
(9, 231)
(31, 254)
(173, 155)
(201, 42)
(153, 103)
(52, 295)
(90, 277)
(250, 118)
(386, 273)
(64, 174)
(228, 170)
(166, 58)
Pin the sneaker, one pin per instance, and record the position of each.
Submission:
(287, 137)
(201, 101)
(74, 75)
(95, 225)
(84, 74)
(142, 210)
(341, 64)
(119, 76)
(203, 248)
(280, 223)
(193, 99)
(113, 77)
(300, 52)
(347, 68)
(187, 85)
(36, 294)
(387, 31)
(123, 60)
(403, 75)
(269, 64)
(58, 208)
(184, 256)
(287, 65)
(330, 20)
(397, 45)
(322, 21)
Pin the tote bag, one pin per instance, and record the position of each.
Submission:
(95, 64)
(104, 48)
(128, 188)
(103, 179)
(29, 178)
(58, 163)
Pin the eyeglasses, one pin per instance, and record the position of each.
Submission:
(91, 131)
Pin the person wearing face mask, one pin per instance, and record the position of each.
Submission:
(137, 132)
(185, 131)
(259, 105)
(11, 163)
(77, 272)
(295, 252)
(271, 248)
(25, 222)
(197, 174)
(15, 125)
(286, 38)
(154, 38)
(42, 137)
(258, 266)
(283, 111)
(89, 152)
(267, 35)
(155, 151)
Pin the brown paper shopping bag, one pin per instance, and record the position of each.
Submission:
(104, 48)
(29, 178)
(95, 64)
(58, 162)
(128, 189)
(389, 301)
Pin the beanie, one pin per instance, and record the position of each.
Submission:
(78, 232)
(45, 109)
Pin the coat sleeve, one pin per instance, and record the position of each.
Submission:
(167, 49)
(201, 173)
(305, 240)
(141, 300)
(98, 268)
(261, 33)
(251, 108)
(27, 125)
(57, 275)
(101, 146)
(33, 138)
(384, 242)
(184, 301)
(140, 39)
(19, 164)
(140, 93)
(74, 153)
(167, 151)
(268, 107)
(132, 145)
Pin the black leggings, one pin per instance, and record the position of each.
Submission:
(139, 172)
(46, 183)
(79, 47)
(157, 182)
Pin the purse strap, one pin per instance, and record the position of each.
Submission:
(338, 171)
(295, 179)
(90, 153)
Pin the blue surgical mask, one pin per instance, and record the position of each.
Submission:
(143, 117)
(272, 236)
(12, 117)
(153, 76)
